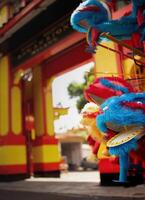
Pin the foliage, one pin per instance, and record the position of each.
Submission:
(76, 90)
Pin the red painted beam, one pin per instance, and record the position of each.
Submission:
(45, 167)
(67, 60)
(12, 139)
(51, 51)
(19, 16)
(121, 12)
(13, 169)
(45, 140)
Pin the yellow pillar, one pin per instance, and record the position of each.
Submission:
(16, 110)
(134, 73)
(4, 97)
(4, 13)
(12, 144)
(38, 101)
(106, 63)
(49, 108)
(46, 155)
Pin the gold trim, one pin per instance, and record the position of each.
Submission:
(128, 135)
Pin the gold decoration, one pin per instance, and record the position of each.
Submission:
(125, 136)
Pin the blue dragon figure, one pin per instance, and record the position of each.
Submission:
(121, 113)
(94, 17)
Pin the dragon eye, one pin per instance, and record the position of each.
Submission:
(139, 102)
(105, 108)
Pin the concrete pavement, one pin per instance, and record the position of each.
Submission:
(56, 189)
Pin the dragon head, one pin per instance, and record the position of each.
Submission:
(122, 112)
(88, 14)
(106, 87)
(89, 113)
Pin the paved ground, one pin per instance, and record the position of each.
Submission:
(71, 188)
(84, 176)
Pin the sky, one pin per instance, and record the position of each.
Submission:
(61, 98)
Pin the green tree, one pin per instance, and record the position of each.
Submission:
(76, 90)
